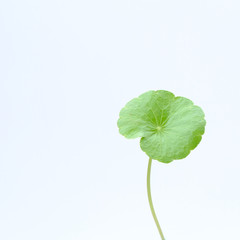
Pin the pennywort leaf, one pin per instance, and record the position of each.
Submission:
(169, 127)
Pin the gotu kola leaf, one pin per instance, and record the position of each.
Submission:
(169, 127)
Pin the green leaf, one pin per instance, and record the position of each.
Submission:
(169, 127)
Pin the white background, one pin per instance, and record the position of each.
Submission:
(66, 70)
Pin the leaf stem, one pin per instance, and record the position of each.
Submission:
(150, 199)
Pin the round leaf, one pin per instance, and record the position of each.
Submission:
(169, 127)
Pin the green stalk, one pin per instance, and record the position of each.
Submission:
(150, 199)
